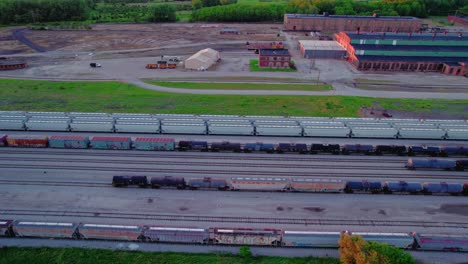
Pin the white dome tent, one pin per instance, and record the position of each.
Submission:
(202, 60)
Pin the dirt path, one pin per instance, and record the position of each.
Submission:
(18, 34)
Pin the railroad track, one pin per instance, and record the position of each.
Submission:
(209, 156)
(370, 166)
(55, 183)
(224, 172)
(233, 219)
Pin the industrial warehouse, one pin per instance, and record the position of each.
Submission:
(424, 52)
(335, 23)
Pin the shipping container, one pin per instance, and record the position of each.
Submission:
(225, 146)
(270, 130)
(444, 164)
(259, 183)
(442, 188)
(357, 148)
(82, 126)
(325, 148)
(400, 240)
(153, 143)
(230, 129)
(110, 232)
(402, 186)
(73, 142)
(176, 235)
(318, 131)
(168, 181)
(208, 183)
(249, 237)
(5, 226)
(317, 185)
(442, 242)
(363, 186)
(311, 239)
(111, 142)
(45, 229)
(127, 127)
(193, 145)
(289, 147)
(10, 124)
(27, 141)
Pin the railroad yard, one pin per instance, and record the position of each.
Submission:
(163, 167)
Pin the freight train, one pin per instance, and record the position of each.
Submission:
(224, 236)
(288, 184)
(169, 144)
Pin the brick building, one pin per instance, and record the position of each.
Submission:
(375, 23)
(274, 58)
(429, 52)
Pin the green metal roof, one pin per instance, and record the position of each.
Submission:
(410, 42)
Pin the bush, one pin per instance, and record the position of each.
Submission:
(245, 252)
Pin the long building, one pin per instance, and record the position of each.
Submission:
(337, 23)
(428, 52)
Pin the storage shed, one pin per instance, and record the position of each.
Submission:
(320, 49)
(202, 60)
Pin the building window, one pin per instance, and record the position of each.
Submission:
(274, 58)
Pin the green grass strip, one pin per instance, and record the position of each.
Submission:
(116, 97)
(98, 256)
(244, 86)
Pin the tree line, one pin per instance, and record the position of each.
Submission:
(241, 13)
(40, 11)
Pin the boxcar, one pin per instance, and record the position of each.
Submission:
(441, 242)
(255, 237)
(317, 185)
(168, 181)
(431, 164)
(111, 143)
(110, 232)
(401, 240)
(357, 148)
(45, 229)
(27, 141)
(5, 226)
(442, 188)
(296, 148)
(152, 143)
(225, 146)
(402, 186)
(176, 235)
(73, 142)
(122, 181)
(208, 183)
(311, 239)
(260, 183)
(418, 150)
(331, 148)
(363, 186)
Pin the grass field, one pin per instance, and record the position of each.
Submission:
(95, 256)
(243, 86)
(111, 97)
(255, 68)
